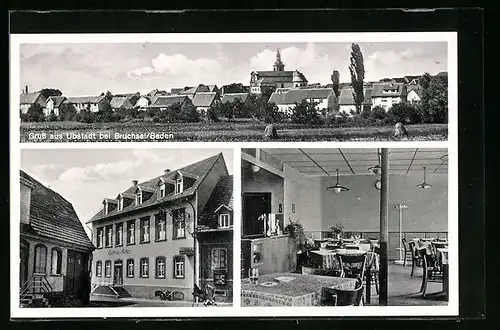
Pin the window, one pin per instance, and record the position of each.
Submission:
(138, 198)
(224, 221)
(40, 259)
(178, 266)
(219, 259)
(56, 261)
(107, 268)
(106, 208)
(144, 267)
(130, 267)
(99, 238)
(131, 232)
(162, 190)
(109, 236)
(179, 222)
(160, 267)
(161, 227)
(120, 203)
(384, 100)
(119, 234)
(144, 230)
(178, 185)
(98, 268)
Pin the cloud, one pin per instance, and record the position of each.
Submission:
(177, 65)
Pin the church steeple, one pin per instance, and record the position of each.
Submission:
(278, 65)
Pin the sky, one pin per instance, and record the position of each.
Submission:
(85, 177)
(93, 68)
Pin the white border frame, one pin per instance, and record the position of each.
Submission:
(236, 311)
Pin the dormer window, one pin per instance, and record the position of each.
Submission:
(106, 208)
(224, 220)
(178, 185)
(162, 190)
(138, 198)
(120, 204)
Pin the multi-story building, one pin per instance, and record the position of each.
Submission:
(286, 99)
(277, 78)
(27, 100)
(55, 251)
(145, 236)
(88, 103)
(386, 94)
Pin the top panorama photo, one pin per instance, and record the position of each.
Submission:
(233, 92)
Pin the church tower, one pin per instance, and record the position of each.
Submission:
(278, 65)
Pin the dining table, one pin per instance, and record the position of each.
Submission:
(290, 289)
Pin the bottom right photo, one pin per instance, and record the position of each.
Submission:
(344, 227)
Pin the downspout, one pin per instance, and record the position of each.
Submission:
(195, 266)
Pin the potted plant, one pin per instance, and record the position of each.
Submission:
(336, 229)
(295, 232)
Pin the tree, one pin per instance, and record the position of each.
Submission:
(35, 113)
(108, 95)
(48, 92)
(434, 103)
(189, 114)
(305, 113)
(336, 82)
(212, 114)
(378, 113)
(404, 112)
(357, 70)
(425, 80)
(67, 112)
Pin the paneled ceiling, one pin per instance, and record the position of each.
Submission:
(322, 162)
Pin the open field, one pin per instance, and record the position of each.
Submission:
(217, 132)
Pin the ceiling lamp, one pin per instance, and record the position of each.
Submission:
(255, 168)
(424, 185)
(337, 188)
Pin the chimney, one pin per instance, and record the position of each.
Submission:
(134, 182)
(167, 170)
(26, 89)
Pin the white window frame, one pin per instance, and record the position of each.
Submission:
(224, 220)
(130, 270)
(109, 235)
(162, 190)
(179, 267)
(106, 264)
(145, 235)
(106, 208)
(138, 198)
(120, 204)
(131, 230)
(161, 266)
(98, 268)
(120, 232)
(100, 237)
(220, 249)
(144, 264)
(161, 224)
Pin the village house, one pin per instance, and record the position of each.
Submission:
(234, 88)
(121, 102)
(191, 92)
(53, 105)
(163, 102)
(286, 100)
(231, 97)
(215, 237)
(277, 78)
(89, 103)
(414, 93)
(143, 102)
(55, 251)
(204, 100)
(386, 94)
(347, 105)
(146, 236)
(27, 100)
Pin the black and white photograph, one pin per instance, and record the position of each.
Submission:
(345, 227)
(266, 89)
(126, 227)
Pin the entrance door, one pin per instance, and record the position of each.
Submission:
(118, 276)
(74, 270)
(254, 205)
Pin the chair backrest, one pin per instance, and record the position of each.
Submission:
(350, 297)
(413, 249)
(353, 262)
(372, 260)
(405, 244)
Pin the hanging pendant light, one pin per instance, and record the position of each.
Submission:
(424, 185)
(337, 187)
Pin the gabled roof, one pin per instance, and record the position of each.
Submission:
(29, 98)
(199, 170)
(58, 100)
(120, 101)
(204, 99)
(298, 95)
(213, 88)
(198, 89)
(167, 101)
(417, 91)
(86, 99)
(222, 195)
(146, 188)
(53, 217)
(347, 98)
(110, 200)
(378, 89)
(230, 97)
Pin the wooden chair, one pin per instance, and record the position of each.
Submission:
(352, 266)
(373, 266)
(407, 250)
(430, 272)
(335, 297)
(206, 295)
(416, 259)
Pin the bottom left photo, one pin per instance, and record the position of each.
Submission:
(126, 227)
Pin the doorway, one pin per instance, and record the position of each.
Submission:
(118, 274)
(254, 205)
(74, 270)
(24, 256)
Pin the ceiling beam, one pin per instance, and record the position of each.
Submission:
(409, 166)
(314, 162)
(347, 162)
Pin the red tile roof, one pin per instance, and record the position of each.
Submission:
(53, 217)
(197, 170)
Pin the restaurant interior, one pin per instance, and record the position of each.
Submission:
(337, 226)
